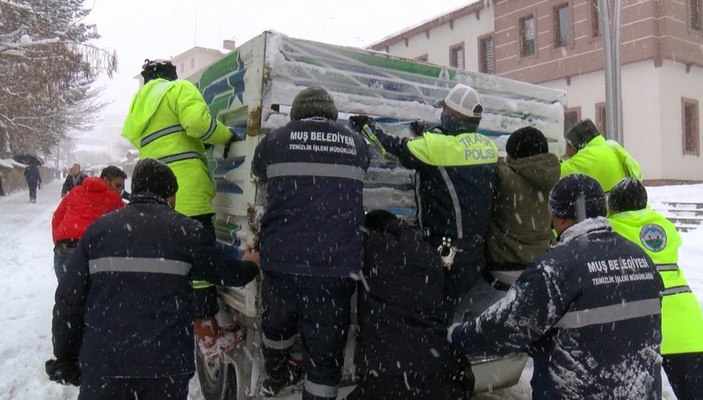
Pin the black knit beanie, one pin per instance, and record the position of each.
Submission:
(526, 142)
(313, 102)
(154, 177)
(577, 196)
(582, 133)
(628, 195)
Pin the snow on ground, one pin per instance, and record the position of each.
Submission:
(27, 285)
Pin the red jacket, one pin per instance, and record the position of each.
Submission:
(81, 206)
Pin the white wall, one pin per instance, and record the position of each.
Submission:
(467, 29)
(651, 113)
(674, 84)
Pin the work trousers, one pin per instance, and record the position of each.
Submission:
(205, 299)
(321, 307)
(685, 373)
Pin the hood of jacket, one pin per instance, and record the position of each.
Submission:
(144, 105)
(541, 170)
(94, 184)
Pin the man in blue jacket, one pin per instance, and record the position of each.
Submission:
(122, 325)
(310, 242)
(588, 311)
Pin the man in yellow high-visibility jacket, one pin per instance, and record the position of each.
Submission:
(169, 121)
(591, 154)
(682, 319)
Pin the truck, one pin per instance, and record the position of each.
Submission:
(251, 90)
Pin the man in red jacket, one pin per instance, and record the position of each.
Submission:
(79, 208)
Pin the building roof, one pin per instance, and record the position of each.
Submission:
(426, 26)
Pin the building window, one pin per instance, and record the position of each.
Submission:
(695, 9)
(601, 121)
(562, 25)
(527, 36)
(595, 19)
(691, 132)
(571, 117)
(192, 63)
(486, 60)
(422, 58)
(456, 56)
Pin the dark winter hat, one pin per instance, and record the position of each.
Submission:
(153, 69)
(154, 177)
(313, 102)
(577, 196)
(582, 133)
(526, 142)
(628, 195)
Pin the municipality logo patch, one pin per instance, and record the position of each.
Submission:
(653, 237)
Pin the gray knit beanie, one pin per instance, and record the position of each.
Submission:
(313, 102)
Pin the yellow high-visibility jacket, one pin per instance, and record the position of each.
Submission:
(603, 160)
(170, 121)
(682, 319)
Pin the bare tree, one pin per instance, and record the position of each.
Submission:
(48, 64)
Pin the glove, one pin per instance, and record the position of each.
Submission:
(418, 127)
(64, 371)
(234, 138)
(357, 122)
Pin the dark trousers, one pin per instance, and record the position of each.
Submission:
(205, 300)
(32, 190)
(685, 373)
(321, 306)
(461, 277)
(61, 257)
(402, 388)
(109, 388)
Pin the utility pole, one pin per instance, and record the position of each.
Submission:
(611, 51)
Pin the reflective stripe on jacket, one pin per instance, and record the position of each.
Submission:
(123, 307)
(587, 312)
(314, 171)
(170, 121)
(454, 181)
(682, 319)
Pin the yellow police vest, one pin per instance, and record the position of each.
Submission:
(682, 319)
(170, 121)
(453, 151)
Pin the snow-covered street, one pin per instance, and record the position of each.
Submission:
(27, 285)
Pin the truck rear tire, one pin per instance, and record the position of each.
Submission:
(218, 380)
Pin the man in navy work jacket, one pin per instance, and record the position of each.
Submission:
(311, 242)
(122, 325)
(455, 177)
(587, 311)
